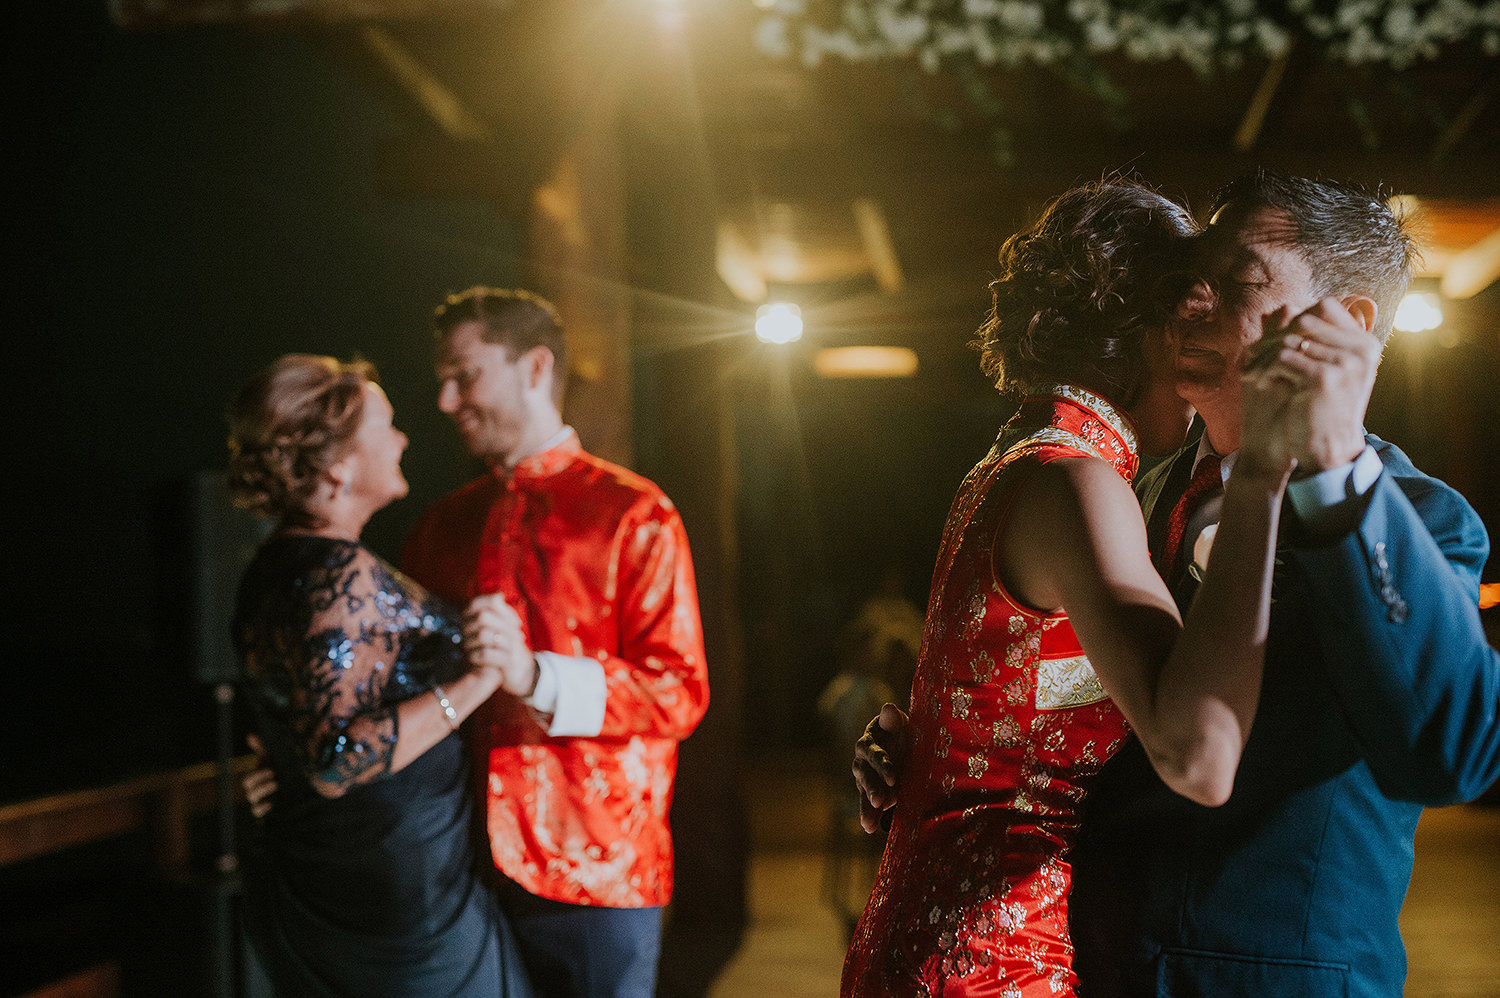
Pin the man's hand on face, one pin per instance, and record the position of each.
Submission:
(879, 756)
(1272, 421)
(1326, 357)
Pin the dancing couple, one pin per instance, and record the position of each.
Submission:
(1180, 748)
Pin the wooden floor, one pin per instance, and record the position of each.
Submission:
(795, 945)
(1451, 921)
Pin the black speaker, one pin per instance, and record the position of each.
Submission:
(221, 541)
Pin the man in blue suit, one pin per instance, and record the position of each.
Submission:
(1380, 692)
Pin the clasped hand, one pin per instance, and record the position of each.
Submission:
(493, 639)
(1307, 383)
(879, 756)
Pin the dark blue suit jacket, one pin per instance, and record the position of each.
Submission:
(1380, 696)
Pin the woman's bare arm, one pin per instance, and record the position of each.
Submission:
(1076, 541)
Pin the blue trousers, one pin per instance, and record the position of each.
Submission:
(580, 951)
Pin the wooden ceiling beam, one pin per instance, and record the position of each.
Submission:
(1248, 134)
(1464, 120)
(1473, 269)
(441, 104)
(159, 15)
(879, 250)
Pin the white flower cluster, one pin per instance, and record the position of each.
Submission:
(1202, 33)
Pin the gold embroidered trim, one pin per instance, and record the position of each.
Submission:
(1067, 682)
(1053, 436)
(1098, 405)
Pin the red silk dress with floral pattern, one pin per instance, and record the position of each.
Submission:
(1009, 726)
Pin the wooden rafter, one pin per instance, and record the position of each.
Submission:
(1254, 120)
(1472, 269)
(1464, 120)
(445, 108)
(155, 15)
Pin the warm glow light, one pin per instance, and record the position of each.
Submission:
(1489, 595)
(1419, 312)
(670, 14)
(865, 362)
(779, 322)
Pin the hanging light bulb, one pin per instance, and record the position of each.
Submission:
(778, 322)
(1419, 312)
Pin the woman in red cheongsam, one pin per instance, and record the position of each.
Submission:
(1049, 635)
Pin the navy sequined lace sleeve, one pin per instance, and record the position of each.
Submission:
(333, 641)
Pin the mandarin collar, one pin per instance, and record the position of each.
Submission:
(1080, 412)
(556, 454)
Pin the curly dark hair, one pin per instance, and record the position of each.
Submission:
(1077, 290)
(287, 425)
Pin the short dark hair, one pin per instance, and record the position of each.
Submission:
(515, 319)
(1354, 241)
(289, 424)
(1078, 290)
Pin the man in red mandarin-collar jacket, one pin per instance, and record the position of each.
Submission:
(593, 618)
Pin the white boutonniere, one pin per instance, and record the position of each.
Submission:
(1202, 547)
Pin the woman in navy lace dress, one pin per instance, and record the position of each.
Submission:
(365, 883)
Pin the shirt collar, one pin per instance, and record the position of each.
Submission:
(550, 456)
(1206, 449)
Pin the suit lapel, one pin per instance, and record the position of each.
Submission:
(1158, 491)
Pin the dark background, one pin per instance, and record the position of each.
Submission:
(189, 207)
(186, 205)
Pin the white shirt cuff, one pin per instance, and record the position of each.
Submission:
(572, 690)
(1317, 498)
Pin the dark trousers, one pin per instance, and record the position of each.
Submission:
(580, 951)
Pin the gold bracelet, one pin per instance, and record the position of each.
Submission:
(448, 711)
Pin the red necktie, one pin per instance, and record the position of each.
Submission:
(1205, 481)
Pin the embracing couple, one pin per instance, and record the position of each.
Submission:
(1182, 753)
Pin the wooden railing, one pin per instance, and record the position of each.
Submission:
(162, 804)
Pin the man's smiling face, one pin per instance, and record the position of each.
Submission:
(1248, 266)
(483, 390)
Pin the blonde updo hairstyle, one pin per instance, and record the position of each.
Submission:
(287, 426)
